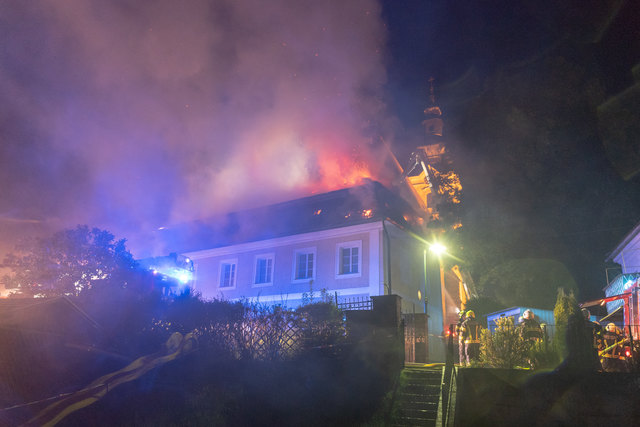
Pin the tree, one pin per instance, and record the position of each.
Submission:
(571, 337)
(68, 262)
(526, 282)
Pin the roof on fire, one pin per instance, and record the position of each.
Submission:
(369, 202)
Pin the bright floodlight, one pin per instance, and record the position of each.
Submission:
(437, 249)
(183, 277)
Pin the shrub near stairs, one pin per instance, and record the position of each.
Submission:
(504, 348)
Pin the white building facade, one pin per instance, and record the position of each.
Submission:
(347, 262)
(627, 253)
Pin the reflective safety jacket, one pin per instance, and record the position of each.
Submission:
(459, 328)
(611, 346)
(530, 329)
(595, 333)
(471, 331)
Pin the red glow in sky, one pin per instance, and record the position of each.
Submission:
(133, 115)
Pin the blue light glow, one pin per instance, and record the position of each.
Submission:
(184, 276)
(180, 274)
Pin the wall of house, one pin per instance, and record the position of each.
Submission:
(407, 272)
(629, 256)
(284, 288)
(413, 269)
(404, 254)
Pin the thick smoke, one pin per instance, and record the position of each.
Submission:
(130, 115)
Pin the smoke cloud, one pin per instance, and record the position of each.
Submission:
(132, 115)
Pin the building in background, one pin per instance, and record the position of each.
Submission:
(622, 297)
(627, 252)
(622, 293)
(544, 317)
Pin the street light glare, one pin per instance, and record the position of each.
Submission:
(437, 249)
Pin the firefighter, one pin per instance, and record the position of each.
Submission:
(471, 334)
(530, 329)
(594, 333)
(612, 350)
(461, 353)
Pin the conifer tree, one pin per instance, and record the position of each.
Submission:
(566, 306)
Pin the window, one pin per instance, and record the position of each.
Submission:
(264, 270)
(304, 264)
(349, 259)
(228, 273)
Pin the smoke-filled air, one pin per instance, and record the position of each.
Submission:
(135, 115)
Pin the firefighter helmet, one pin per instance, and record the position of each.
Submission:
(611, 327)
(528, 314)
(586, 313)
(471, 314)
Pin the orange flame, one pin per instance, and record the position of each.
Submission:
(338, 170)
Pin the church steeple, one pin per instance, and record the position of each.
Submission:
(432, 122)
(432, 95)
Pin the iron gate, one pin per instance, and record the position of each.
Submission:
(416, 332)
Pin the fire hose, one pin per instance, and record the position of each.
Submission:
(176, 346)
(603, 351)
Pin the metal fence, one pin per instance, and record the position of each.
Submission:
(355, 303)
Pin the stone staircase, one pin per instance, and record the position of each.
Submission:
(416, 398)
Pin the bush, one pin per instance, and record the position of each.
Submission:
(505, 348)
(243, 374)
(543, 354)
(320, 324)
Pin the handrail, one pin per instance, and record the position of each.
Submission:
(448, 378)
(448, 412)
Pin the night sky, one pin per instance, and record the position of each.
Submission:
(524, 87)
(133, 115)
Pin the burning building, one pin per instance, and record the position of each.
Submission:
(353, 243)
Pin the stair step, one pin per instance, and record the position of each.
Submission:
(414, 418)
(434, 380)
(427, 397)
(416, 401)
(414, 421)
(421, 402)
(418, 398)
(422, 386)
(426, 408)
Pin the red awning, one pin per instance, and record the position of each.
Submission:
(612, 314)
(603, 301)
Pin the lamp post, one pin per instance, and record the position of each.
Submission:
(439, 249)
